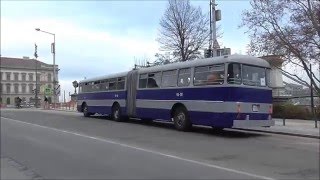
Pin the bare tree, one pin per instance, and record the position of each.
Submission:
(290, 28)
(184, 30)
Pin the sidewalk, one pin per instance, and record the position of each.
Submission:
(13, 170)
(294, 127)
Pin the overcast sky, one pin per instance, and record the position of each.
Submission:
(95, 38)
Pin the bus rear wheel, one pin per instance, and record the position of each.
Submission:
(181, 119)
(116, 113)
(85, 110)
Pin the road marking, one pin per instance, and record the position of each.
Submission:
(146, 150)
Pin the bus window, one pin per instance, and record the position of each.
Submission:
(85, 87)
(80, 88)
(268, 77)
(209, 75)
(254, 76)
(184, 77)
(113, 84)
(121, 83)
(169, 78)
(143, 81)
(234, 73)
(104, 86)
(96, 86)
(154, 80)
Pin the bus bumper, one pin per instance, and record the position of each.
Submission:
(252, 123)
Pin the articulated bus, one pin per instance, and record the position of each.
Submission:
(222, 92)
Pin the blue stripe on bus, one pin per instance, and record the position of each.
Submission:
(210, 94)
(103, 95)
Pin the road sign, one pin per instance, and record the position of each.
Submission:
(48, 91)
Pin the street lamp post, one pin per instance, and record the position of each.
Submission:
(53, 50)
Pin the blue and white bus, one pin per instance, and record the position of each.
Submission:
(222, 92)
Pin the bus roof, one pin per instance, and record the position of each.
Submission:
(115, 75)
(245, 59)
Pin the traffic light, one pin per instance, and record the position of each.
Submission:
(207, 53)
(35, 51)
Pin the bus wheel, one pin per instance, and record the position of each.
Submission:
(181, 119)
(85, 110)
(116, 113)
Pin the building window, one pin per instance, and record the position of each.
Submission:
(23, 88)
(23, 76)
(16, 76)
(8, 88)
(8, 100)
(1, 77)
(38, 77)
(30, 88)
(8, 76)
(30, 77)
(16, 88)
(1, 88)
(49, 77)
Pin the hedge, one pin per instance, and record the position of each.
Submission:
(290, 111)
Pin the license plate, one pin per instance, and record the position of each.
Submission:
(255, 107)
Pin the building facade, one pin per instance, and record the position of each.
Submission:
(18, 78)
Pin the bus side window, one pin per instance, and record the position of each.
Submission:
(143, 80)
(184, 77)
(154, 80)
(209, 75)
(113, 84)
(169, 78)
(104, 86)
(121, 83)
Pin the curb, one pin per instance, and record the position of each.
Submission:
(60, 110)
(282, 133)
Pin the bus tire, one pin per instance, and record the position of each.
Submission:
(181, 119)
(85, 110)
(116, 113)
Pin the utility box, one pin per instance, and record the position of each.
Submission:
(218, 15)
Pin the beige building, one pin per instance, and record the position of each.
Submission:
(18, 78)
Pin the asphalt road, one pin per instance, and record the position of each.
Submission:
(62, 145)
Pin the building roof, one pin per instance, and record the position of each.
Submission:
(23, 63)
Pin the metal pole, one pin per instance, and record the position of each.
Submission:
(36, 89)
(54, 69)
(210, 40)
(214, 35)
(311, 91)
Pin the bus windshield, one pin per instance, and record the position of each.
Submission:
(254, 76)
(250, 75)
